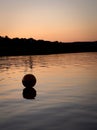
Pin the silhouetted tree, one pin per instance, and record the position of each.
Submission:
(30, 46)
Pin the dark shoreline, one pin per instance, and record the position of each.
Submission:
(23, 46)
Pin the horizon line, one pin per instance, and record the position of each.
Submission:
(6, 36)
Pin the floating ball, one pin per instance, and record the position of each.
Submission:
(29, 80)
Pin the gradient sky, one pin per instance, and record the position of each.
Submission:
(54, 20)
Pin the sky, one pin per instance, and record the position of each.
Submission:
(53, 20)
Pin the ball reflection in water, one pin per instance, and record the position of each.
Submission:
(29, 93)
(29, 80)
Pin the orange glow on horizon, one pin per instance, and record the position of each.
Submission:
(65, 21)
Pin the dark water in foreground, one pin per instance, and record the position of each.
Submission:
(66, 90)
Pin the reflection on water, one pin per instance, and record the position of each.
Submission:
(29, 93)
(66, 87)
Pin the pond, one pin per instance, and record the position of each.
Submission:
(66, 92)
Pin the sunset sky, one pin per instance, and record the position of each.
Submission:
(54, 20)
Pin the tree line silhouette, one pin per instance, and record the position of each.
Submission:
(30, 46)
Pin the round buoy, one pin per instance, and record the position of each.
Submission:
(29, 80)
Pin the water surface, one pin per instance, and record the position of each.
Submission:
(66, 92)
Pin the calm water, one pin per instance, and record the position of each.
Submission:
(66, 90)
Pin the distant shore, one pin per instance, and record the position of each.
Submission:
(23, 46)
